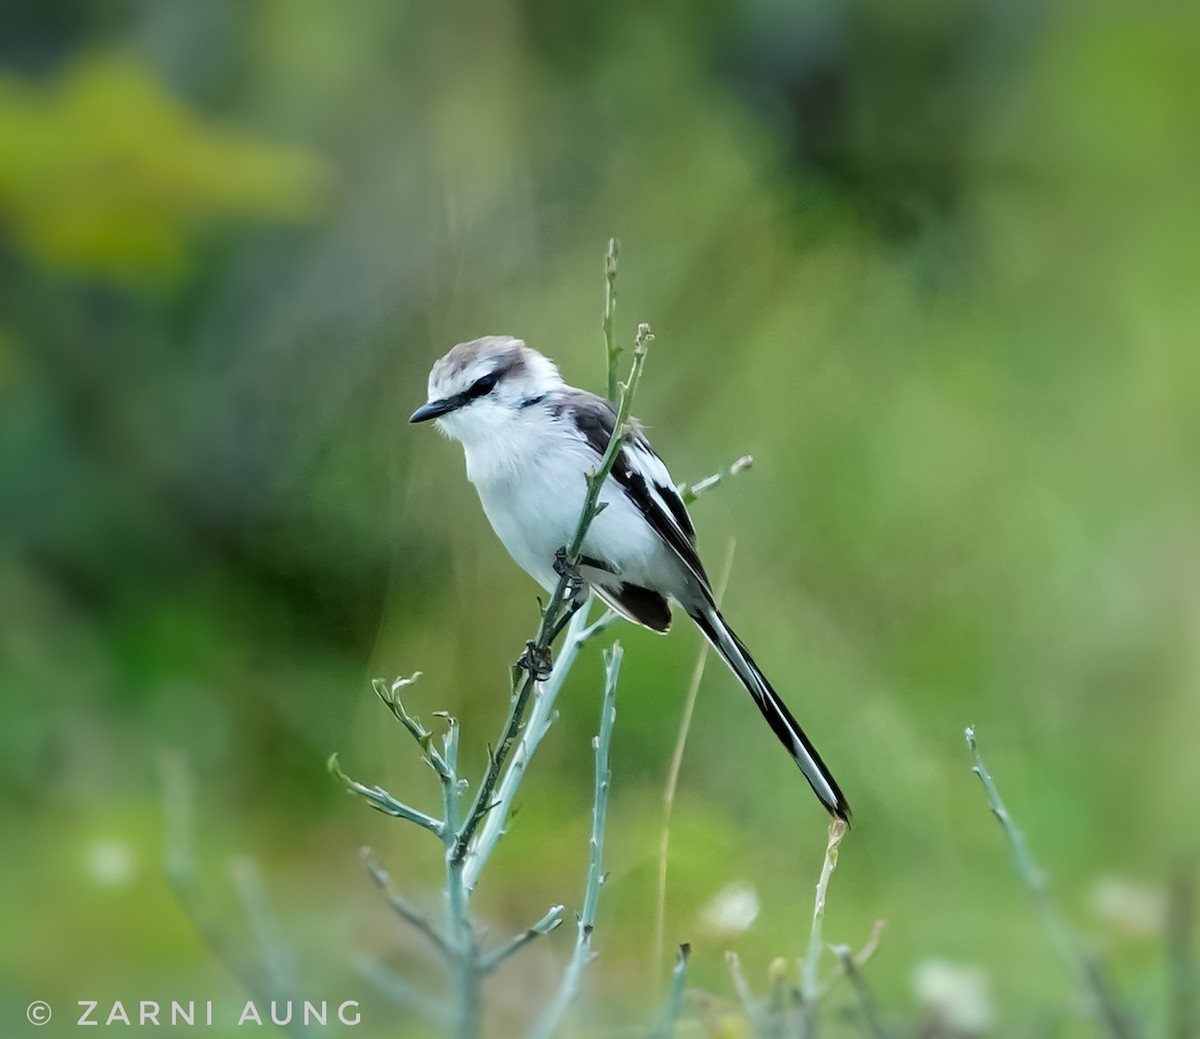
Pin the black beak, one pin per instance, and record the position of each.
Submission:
(432, 410)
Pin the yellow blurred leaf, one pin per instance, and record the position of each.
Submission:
(104, 172)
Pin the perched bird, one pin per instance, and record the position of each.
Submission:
(530, 441)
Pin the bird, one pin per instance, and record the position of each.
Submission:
(530, 442)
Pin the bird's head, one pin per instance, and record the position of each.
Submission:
(480, 386)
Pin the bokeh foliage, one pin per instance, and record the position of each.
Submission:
(933, 266)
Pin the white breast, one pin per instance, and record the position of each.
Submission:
(531, 482)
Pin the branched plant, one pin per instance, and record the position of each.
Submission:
(470, 826)
(792, 1010)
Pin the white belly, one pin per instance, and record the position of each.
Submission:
(534, 509)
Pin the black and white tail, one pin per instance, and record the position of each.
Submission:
(725, 642)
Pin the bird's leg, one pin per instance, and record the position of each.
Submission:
(536, 659)
(573, 608)
(568, 570)
(576, 589)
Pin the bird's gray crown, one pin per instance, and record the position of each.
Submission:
(505, 357)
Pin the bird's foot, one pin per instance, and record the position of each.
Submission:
(536, 660)
(563, 568)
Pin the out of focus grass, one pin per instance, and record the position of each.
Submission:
(933, 267)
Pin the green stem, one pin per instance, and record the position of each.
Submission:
(465, 975)
(810, 988)
(541, 716)
(1088, 974)
(552, 1016)
(674, 1004)
(612, 351)
(867, 1007)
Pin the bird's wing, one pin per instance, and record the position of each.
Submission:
(639, 472)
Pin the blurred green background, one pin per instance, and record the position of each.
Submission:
(934, 266)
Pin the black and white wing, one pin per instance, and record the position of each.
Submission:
(644, 478)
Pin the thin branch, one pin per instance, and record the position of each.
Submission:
(689, 492)
(598, 627)
(278, 962)
(810, 989)
(382, 801)
(674, 1004)
(545, 925)
(275, 975)
(402, 992)
(872, 946)
(861, 958)
(450, 742)
(867, 1007)
(553, 1014)
(612, 350)
(1088, 974)
(781, 996)
(601, 745)
(742, 987)
(390, 695)
(685, 724)
(564, 593)
(465, 976)
(541, 717)
(404, 909)
(180, 867)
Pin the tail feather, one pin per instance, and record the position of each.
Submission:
(787, 729)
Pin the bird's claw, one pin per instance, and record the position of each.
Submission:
(561, 566)
(571, 572)
(536, 660)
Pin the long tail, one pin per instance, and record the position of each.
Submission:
(709, 620)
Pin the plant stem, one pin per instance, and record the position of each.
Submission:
(545, 925)
(862, 991)
(742, 987)
(861, 958)
(612, 351)
(541, 717)
(685, 724)
(674, 1004)
(689, 492)
(404, 909)
(810, 987)
(382, 801)
(402, 992)
(279, 964)
(1087, 973)
(552, 1016)
(273, 975)
(465, 976)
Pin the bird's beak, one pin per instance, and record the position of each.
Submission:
(432, 410)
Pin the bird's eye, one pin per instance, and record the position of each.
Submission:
(482, 386)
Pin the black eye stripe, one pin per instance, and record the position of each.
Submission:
(483, 385)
